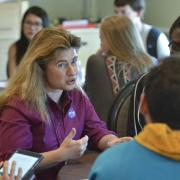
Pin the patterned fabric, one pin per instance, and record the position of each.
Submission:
(110, 63)
(119, 73)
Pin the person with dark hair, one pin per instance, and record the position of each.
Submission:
(174, 36)
(155, 152)
(43, 110)
(34, 19)
(155, 42)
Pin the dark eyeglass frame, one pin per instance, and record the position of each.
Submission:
(30, 24)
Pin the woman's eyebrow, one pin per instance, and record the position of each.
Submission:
(61, 60)
(66, 60)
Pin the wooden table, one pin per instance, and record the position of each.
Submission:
(78, 169)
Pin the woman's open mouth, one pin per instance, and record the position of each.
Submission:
(71, 81)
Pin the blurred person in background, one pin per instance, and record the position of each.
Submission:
(34, 19)
(122, 59)
(155, 42)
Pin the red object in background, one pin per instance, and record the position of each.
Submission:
(76, 24)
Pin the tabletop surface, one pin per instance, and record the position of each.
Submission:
(78, 169)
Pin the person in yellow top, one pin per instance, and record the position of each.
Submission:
(155, 152)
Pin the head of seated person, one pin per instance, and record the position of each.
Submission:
(161, 97)
(174, 36)
(134, 9)
(120, 38)
(34, 19)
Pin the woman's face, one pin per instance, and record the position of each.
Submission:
(61, 72)
(175, 42)
(32, 25)
(104, 44)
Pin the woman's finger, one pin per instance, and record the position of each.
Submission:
(19, 176)
(5, 168)
(13, 167)
(1, 163)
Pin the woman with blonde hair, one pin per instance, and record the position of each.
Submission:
(43, 111)
(122, 59)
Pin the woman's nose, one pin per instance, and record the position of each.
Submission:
(71, 70)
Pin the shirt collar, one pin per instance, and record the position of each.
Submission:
(65, 99)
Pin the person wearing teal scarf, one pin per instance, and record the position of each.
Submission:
(154, 154)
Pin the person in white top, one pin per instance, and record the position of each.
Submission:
(155, 41)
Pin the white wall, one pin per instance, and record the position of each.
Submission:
(10, 20)
(75, 9)
(72, 9)
(105, 8)
(158, 12)
(162, 12)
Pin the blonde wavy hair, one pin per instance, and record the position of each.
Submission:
(124, 41)
(28, 83)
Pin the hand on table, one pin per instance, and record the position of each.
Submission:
(119, 140)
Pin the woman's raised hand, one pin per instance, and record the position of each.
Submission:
(72, 149)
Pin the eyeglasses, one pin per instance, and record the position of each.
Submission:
(174, 46)
(32, 24)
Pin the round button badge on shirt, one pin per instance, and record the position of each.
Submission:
(71, 113)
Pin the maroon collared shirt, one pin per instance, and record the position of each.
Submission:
(22, 127)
